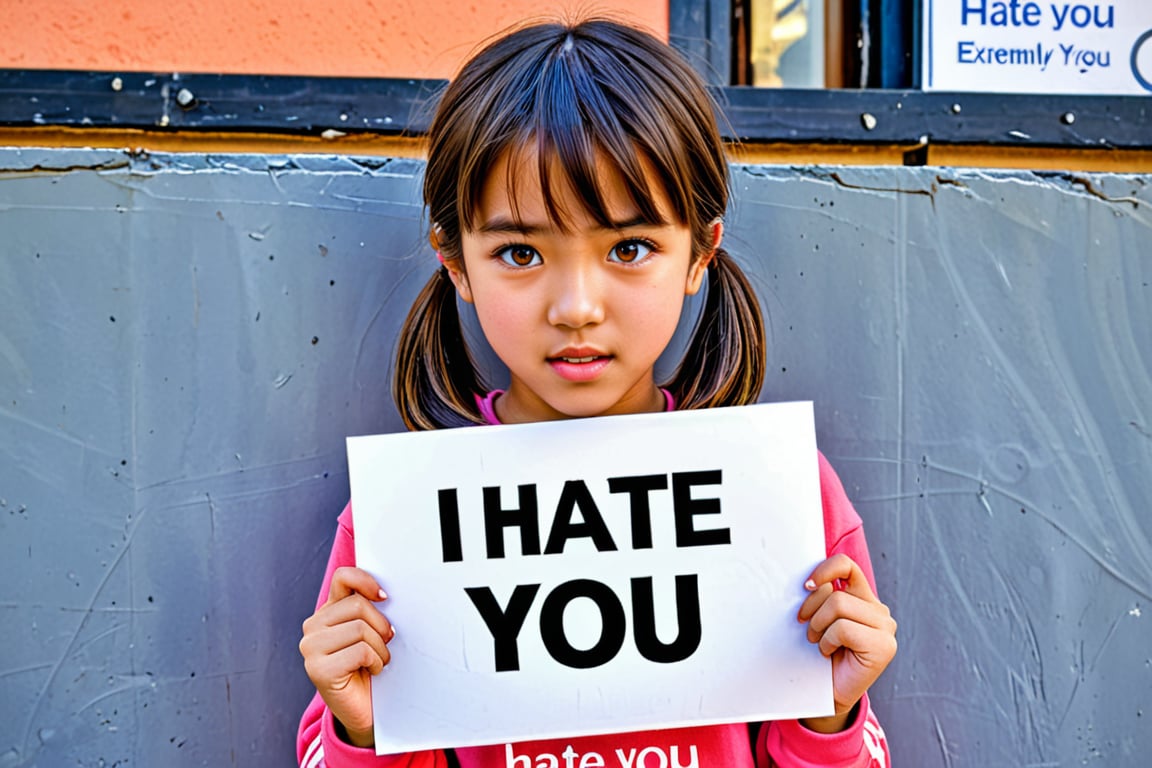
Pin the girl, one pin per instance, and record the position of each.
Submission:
(576, 184)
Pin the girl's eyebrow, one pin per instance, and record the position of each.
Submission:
(508, 225)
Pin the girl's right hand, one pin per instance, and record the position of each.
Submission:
(346, 642)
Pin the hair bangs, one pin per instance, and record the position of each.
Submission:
(580, 137)
(567, 123)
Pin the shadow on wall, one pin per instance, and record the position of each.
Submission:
(186, 342)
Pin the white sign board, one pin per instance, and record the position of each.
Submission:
(1027, 46)
(592, 575)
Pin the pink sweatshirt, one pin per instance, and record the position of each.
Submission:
(784, 743)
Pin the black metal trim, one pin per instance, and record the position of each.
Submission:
(216, 102)
(312, 105)
(912, 117)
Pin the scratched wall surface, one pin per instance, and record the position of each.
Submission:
(185, 340)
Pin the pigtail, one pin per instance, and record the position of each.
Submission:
(436, 381)
(725, 360)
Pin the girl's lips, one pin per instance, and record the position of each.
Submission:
(579, 368)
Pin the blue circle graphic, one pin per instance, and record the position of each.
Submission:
(1144, 82)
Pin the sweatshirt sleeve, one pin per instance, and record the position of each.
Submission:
(787, 743)
(317, 743)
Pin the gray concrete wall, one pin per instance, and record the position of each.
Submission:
(185, 340)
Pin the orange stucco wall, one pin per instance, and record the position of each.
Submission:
(360, 38)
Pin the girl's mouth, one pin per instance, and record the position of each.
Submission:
(579, 368)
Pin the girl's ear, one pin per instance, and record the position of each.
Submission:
(454, 266)
(700, 266)
(459, 279)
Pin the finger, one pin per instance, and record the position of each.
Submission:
(813, 602)
(349, 580)
(850, 575)
(351, 608)
(332, 671)
(334, 640)
(842, 606)
(874, 647)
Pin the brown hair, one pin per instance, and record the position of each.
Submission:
(576, 93)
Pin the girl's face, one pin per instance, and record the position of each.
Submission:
(579, 314)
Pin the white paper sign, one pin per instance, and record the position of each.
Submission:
(592, 575)
(1028, 46)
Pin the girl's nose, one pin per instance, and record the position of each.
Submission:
(577, 298)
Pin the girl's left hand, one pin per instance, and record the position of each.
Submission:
(853, 628)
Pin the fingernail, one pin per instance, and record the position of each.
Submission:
(810, 585)
(383, 595)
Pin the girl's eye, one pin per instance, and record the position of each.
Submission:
(519, 256)
(630, 251)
